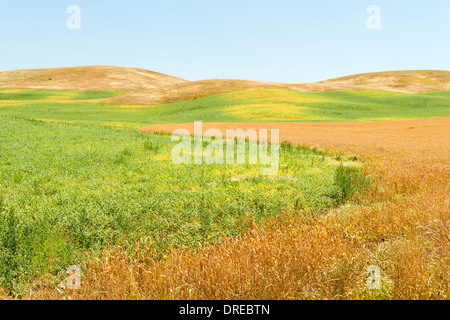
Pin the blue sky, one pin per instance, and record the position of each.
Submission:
(283, 41)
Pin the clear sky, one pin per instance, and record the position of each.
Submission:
(283, 40)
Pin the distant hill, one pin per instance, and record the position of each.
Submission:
(414, 81)
(189, 91)
(396, 81)
(151, 88)
(92, 78)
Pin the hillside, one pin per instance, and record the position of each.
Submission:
(396, 81)
(415, 81)
(143, 87)
(91, 78)
(187, 91)
(254, 105)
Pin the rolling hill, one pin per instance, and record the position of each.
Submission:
(415, 81)
(396, 81)
(253, 105)
(91, 78)
(143, 87)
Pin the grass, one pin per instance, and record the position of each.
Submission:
(53, 95)
(282, 105)
(74, 190)
(68, 189)
(245, 106)
(400, 225)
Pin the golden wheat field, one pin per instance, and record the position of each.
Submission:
(401, 225)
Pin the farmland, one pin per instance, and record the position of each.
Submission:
(254, 105)
(80, 185)
(401, 225)
(67, 189)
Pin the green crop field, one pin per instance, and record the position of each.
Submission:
(67, 189)
(244, 106)
(53, 95)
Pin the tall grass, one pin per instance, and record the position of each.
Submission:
(140, 227)
(68, 190)
(404, 231)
